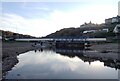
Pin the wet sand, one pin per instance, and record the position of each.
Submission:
(10, 51)
(106, 47)
(15, 48)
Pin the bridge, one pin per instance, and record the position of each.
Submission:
(78, 43)
(65, 39)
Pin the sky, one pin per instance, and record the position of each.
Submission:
(40, 18)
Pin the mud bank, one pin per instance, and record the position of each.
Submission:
(106, 47)
(10, 51)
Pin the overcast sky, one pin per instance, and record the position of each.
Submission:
(42, 18)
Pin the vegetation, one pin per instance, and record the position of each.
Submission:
(66, 32)
(11, 35)
(78, 32)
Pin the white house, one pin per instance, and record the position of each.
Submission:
(89, 31)
(114, 19)
(94, 31)
(117, 29)
(105, 30)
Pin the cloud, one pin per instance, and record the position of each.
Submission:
(43, 8)
(35, 27)
(36, 8)
(16, 23)
(27, 5)
(56, 20)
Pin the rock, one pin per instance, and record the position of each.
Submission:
(104, 51)
(18, 74)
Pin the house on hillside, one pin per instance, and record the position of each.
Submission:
(88, 25)
(108, 21)
(112, 20)
(94, 31)
(89, 31)
(117, 29)
(105, 30)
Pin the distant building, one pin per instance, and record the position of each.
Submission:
(108, 21)
(117, 29)
(95, 31)
(87, 25)
(112, 20)
(89, 31)
(105, 30)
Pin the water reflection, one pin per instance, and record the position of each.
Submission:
(40, 50)
(91, 56)
(64, 64)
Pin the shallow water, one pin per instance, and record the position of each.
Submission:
(62, 64)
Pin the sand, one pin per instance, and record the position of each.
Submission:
(113, 47)
(10, 50)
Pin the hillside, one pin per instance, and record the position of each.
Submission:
(66, 32)
(9, 34)
(78, 32)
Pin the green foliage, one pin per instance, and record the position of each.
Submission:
(11, 35)
(76, 32)
(69, 32)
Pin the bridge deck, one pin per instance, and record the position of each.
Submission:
(46, 39)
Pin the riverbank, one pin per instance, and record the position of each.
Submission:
(10, 50)
(106, 47)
